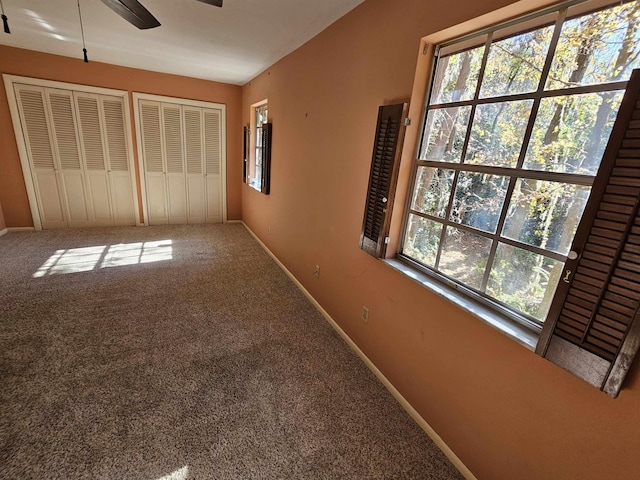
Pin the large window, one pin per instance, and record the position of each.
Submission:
(518, 117)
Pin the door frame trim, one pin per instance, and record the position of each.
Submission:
(10, 81)
(137, 96)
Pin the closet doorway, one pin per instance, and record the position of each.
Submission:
(75, 148)
(181, 144)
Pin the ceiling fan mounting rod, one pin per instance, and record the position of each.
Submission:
(84, 48)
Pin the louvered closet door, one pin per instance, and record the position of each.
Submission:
(195, 172)
(213, 164)
(173, 148)
(93, 148)
(38, 141)
(120, 181)
(75, 196)
(151, 133)
(182, 150)
(73, 141)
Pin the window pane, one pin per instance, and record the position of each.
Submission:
(524, 280)
(497, 133)
(464, 256)
(597, 48)
(478, 200)
(514, 64)
(261, 115)
(444, 134)
(571, 132)
(422, 240)
(432, 191)
(545, 214)
(456, 76)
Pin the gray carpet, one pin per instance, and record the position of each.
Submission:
(195, 358)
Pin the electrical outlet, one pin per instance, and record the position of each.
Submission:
(316, 272)
(268, 228)
(365, 314)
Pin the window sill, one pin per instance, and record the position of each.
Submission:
(507, 326)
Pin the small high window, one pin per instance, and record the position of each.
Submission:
(258, 148)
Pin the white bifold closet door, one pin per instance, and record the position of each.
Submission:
(182, 153)
(212, 142)
(77, 148)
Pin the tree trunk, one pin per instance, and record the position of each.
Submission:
(444, 136)
(626, 53)
(527, 192)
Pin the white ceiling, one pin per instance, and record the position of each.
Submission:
(231, 44)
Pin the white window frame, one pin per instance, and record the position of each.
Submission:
(254, 132)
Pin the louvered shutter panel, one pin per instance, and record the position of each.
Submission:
(245, 153)
(91, 133)
(193, 140)
(173, 138)
(265, 186)
(151, 137)
(65, 131)
(116, 134)
(38, 139)
(384, 170)
(212, 142)
(592, 329)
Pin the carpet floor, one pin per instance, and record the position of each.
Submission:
(183, 352)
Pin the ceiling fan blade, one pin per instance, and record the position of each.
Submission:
(133, 12)
(217, 3)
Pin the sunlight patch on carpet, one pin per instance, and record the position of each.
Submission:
(86, 259)
(180, 474)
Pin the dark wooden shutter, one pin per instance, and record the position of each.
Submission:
(382, 178)
(265, 186)
(245, 153)
(593, 328)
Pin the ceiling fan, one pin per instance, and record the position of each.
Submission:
(133, 12)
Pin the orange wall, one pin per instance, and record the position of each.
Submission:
(13, 194)
(505, 412)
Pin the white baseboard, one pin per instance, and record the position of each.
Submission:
(236, 221)
(20, 229)
(453, 458)
(3, 231)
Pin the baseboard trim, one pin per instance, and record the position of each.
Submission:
(20, 229)
(413, 413)
(235, 221)
(3, 231)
